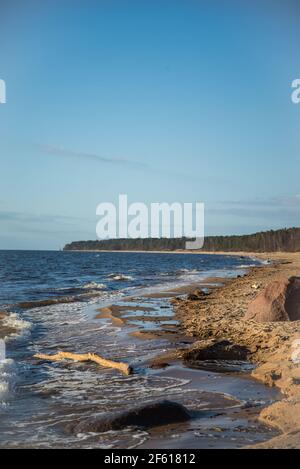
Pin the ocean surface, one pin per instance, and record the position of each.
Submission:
(52, 299)
(41, 275)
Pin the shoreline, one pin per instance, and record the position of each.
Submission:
(76, 385)
(178, 251)
(220, 317)
(176, 356)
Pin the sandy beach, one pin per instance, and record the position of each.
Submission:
(220, 316)
(191, 325)
(269, 345)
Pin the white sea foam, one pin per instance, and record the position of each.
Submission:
(14, 321)
(6, 376)
(265, 261)
(188, 271)
(94, 286)
(120, 277)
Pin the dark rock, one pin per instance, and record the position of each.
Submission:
(146, 416)
(196, 295)
(159, 365)
(292, 302)
(221, 350)
(278, 301)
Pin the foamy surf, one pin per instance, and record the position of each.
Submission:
(6, 379)
(119, 277)
(20, 326)
(94, 286)
(16, 327)
(61, 299)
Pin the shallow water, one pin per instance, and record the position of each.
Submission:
(39, 399)
(228, 412)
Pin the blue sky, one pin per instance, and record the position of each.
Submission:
(162, 100)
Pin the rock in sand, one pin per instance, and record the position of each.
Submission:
(149, 415)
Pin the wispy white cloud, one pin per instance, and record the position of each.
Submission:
(25, 217)
(67, 153)
(63, 152)
(14, 222)
(279, 201)
(284, 209)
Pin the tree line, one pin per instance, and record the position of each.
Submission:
(287, 239)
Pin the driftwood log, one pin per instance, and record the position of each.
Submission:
(84, 357)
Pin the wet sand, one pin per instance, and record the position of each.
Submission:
(151, 325)
(227, 412)
(221, 316)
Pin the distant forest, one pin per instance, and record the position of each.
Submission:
(287, 239)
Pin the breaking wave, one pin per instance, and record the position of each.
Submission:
(119, 277)
(6, 379)
(94, 286)
(13, 321)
